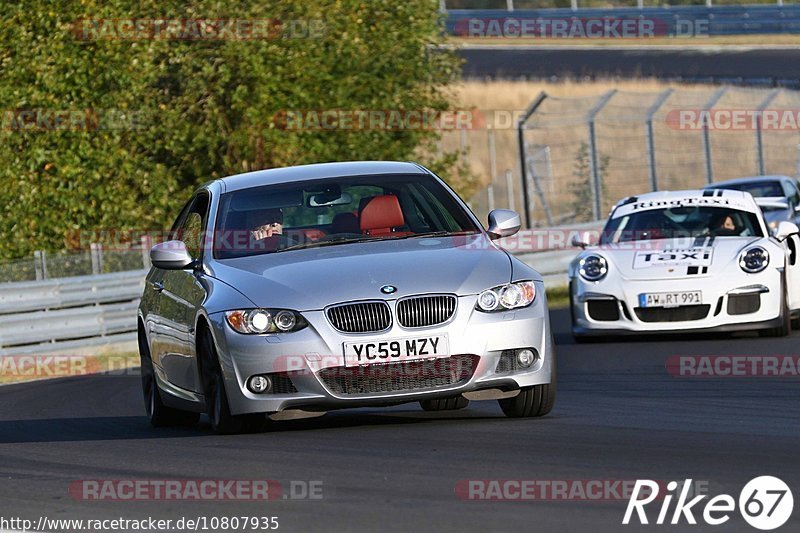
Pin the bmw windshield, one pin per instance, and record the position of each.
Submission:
(278, 218)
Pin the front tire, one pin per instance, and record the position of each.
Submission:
(218, 409)
(786, 320)
(159, 414)
(530, 402)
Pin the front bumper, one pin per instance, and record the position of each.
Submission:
(736, 302)
(309, 357)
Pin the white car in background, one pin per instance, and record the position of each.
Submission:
(686, 261)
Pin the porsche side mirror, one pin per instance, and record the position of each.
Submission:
(785, 229)
(170, 255)
(503, 223)
(583, 239)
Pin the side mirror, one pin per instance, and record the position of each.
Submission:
(170, 255)
(785, 229)
(583, 239)
(503, 223)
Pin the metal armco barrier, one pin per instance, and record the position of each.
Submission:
(58, 314)
(694, 20)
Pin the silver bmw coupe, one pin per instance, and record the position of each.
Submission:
(288, 292)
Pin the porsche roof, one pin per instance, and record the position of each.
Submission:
(708, 197)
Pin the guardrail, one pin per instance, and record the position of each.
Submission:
(702, 20)
(73, 313)
(65, 313)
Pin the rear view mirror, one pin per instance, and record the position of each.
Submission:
(325, 199)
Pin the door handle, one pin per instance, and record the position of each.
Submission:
(158, 286)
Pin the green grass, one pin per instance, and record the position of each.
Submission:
(19, 369)
(558, 296)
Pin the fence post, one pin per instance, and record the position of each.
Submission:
(706, 136)
(147, 243)
(510, 188)
(594, 166)
(651, 142)
(96, 252)
(40, 264)
(521, 147)
(759, 140)
(492, 155)
(510, 5)
(490, 196)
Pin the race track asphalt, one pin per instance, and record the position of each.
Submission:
(619, 416)
(731, 64)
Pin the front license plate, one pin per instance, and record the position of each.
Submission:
(670, 299)
(395, 350)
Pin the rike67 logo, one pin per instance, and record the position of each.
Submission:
(765, 503)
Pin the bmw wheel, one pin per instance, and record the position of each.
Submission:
(159, 414)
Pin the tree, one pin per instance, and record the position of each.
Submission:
(166, 115)
(581, 188)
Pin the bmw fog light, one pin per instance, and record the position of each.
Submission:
(259, 384)
(525, 357)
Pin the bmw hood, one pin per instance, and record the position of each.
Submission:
(313, 278)
(672, 258)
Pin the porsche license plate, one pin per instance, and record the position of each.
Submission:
(395, 350)
(670, 299)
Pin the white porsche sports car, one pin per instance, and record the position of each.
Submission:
(686, 260)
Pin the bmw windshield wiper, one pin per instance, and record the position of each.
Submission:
(329, 242)
(443, 233)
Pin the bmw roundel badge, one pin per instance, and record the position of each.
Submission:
(388, 289)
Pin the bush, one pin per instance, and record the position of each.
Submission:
(195, 110)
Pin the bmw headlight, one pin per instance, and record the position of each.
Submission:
(257, 321)
(593, 267)
(754, 259)
(505, 297)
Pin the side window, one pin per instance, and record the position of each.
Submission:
(192, 227)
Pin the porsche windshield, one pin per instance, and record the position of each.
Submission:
(681, 222)
(277, 218)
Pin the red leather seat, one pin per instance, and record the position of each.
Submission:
(381, 216)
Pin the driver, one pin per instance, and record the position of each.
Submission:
(268, 223)
(267, 230)
(723, 225)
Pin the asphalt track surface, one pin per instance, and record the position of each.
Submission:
(749, 65)
(619, 416)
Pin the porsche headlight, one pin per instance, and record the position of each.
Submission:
(754, 259)
(593, 267)
(257, 321)
(505, 297)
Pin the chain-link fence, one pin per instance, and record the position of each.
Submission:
(95, 260)
(584, 154)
